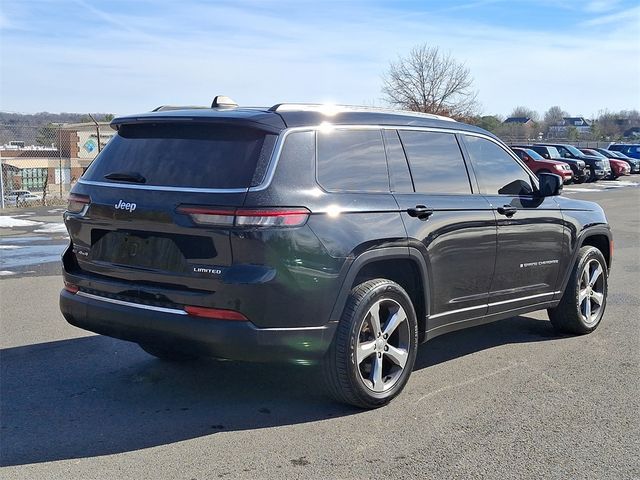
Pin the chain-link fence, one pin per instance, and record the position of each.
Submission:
(40, 165)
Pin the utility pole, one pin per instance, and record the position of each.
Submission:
(1, 184)
(97, 130)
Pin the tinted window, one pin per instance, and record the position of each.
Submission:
(398, 167)
(352, 160)
(497, 171)
(436, 162)
(553, 152)
(201, 156)
(534, 155)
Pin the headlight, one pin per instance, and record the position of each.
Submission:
(599, 164)
(558, 167)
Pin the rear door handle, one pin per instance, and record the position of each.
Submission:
(420, 211)
(507, 210)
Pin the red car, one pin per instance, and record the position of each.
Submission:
(538, 164)
(618, 167)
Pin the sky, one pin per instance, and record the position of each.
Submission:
(124, 57)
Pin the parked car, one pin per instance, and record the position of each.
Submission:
(539, 165)
(599, 167)
(618, 167)
(629, 149)
(343, 237)
(634, 163)
(20, 198)
(580, 171)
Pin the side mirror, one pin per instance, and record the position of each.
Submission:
(550, 185)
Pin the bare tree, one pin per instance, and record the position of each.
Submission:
(429, 81)
(554, 116)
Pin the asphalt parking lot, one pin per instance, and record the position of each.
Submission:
(508, 400)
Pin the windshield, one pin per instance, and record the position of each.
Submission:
(574, 150)
(594, 153)
(199, 156)
(533, 154)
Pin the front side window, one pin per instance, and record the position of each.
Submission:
(352, 160)
(436, 162)
(498, 172)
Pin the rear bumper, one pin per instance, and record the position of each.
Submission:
(234, 340)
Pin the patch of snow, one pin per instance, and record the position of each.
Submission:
(52, 228)
(10, 222)
(6, 273)
(9, 247)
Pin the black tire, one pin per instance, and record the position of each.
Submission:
(579, 180)
(167, 354)
(570, 315)
(344, 376)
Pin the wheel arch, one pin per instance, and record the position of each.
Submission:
(403, 265)
(598, 236)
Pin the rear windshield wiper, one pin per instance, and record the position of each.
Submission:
(134, 177)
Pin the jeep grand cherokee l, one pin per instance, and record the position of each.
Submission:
(343, 237)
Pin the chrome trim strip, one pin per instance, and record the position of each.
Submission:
(493, 304)
(290, 329)
(437, 315)
(131, 304)
(275, 157)
(162, 187)
(522, 298)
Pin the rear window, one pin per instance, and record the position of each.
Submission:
(177, 155)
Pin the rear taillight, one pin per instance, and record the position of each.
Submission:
(215, 313)
(246, 217)
(70, 287)
(77, 203)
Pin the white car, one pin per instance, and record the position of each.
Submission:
(18, 198)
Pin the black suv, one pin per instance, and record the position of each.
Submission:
(599, 167)
(580, 171)
(338, 236)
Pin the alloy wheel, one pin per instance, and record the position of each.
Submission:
(591, 292)
(383, 345)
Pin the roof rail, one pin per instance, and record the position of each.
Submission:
(162, 108)
(330, 109)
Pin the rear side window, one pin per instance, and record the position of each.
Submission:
(497, 172)
(436, 162)
(398, 168)
(178, 155)
(352, 160)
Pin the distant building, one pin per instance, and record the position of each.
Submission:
(633, 132)
(58, 166)
(581, 124)
(519, 121)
